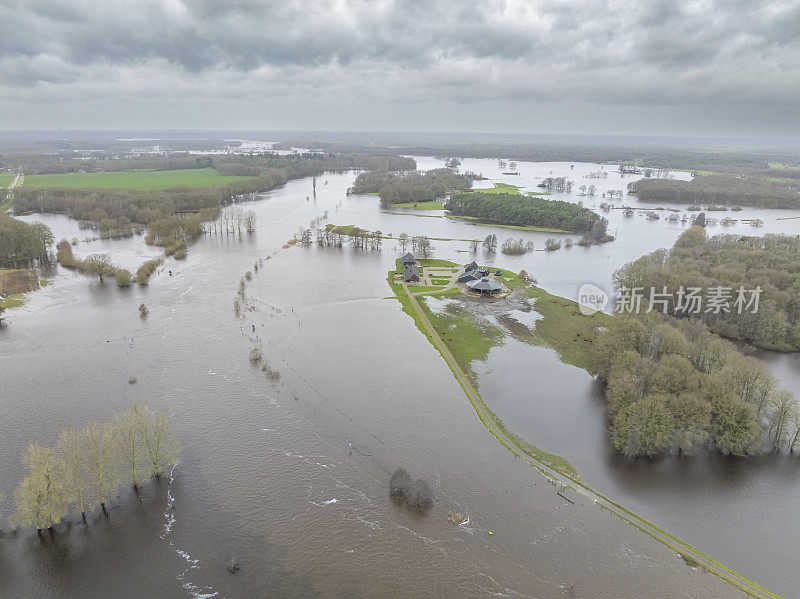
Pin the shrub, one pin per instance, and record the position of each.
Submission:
(123, 277)
(255, 355)
(143, 311)
(146, 269)
(420, 494)
(248, 275)
(552, 244)
(400, 483)
(180, 254)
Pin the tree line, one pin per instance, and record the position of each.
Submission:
(724, 190)
(23, 244)
(771, 262)
(674, 386)
(411, 187)
(91, 465)
(176, 214)
(513, 209)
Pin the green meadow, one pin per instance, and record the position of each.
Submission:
(146, 180)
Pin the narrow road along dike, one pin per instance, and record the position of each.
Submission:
(691, 553)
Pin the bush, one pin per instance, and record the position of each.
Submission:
(248, 275)
(123, 277)
(420, 494)
(552, 244)
(255, 355)
(400, 483)
(180, 255)
(143, 311)
(146, 269)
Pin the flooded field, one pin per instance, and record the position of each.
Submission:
(290, 477)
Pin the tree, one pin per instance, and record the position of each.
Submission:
(101, 463)
(39, 498)
(490, 243)
(402, 239)
(424, 246)
(163, 446)
(71, 450)
(250, 221)
(699, 220)
(784, 407)
(129, 428)
(99, 265)
(600, 229)
(643, 428)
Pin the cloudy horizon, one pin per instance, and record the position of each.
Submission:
(717, 69)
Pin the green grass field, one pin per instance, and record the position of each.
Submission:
(498, 188)
(6, 179)
(431, 205)
(195, 177)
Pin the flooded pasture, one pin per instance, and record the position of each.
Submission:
(290, 477)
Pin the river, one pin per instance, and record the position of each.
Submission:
(290, 478)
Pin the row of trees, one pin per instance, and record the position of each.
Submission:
(233, 219)
(23, 244)
(513, 209)
(556, 184)
(726, 190)
(90, 465)
(674, 386)
(731, 262)
(406, 187)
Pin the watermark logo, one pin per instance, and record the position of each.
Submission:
(591, 299)
(688, 300)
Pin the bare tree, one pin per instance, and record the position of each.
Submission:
(100, 464)
(160, 440)
(402, 239)
(100, 265)
(39, 498)
(70, 450)
(250, 221)
(128, 427)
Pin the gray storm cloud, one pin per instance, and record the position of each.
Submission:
(402, 64)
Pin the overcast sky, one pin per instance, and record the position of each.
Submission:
(656, 67)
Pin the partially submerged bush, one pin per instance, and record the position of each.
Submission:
(143, 310)
(400, 483)
(123, 277)
(255, 355)
(552, 244)
(417, 494)
(236, 306)
(146, 269)
(248, 275)
(180, 254)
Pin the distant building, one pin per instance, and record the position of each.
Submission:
(408, 259)
(471, 266)
(411, 274)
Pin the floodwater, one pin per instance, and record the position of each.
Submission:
(290, 478)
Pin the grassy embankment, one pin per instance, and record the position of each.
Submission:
(468, 338)
(143, 180)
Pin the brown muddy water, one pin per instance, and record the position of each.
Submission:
(290, 478)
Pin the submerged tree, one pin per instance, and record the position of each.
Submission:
(101, 465)
(129, 427)
(100, 265)
(39, 498)
(160, 440)
(71, 452)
